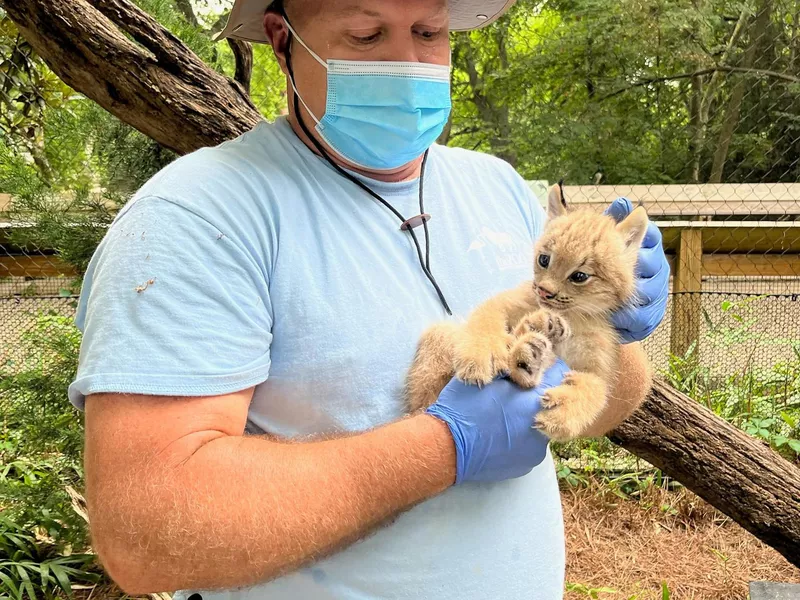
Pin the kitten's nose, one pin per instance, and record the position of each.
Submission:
(545, 293)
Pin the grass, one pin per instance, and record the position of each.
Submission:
(32, 566)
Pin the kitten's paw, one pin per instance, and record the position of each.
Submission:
(570, 408)
(478, 361)
(528, 359)
(554, 326)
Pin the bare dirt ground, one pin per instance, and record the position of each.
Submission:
(633, 546)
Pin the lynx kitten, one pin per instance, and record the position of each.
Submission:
(584, 266)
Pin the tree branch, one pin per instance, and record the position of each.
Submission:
(465, 131)
(159, 87)
(219, 24)
(185, 6)
(243, 53)
(730, 120)
(649, 80)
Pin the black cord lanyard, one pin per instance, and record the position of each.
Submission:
(406, 223)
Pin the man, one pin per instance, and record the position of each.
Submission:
(266, 286)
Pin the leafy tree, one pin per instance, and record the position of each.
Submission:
(634, 92)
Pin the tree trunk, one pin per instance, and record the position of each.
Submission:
(737, 474)
(161, 88)
(495, 117)
(157, 85)
(444, 137)
(696, 126)
(731, 119)
(699, 113)
(185, 6)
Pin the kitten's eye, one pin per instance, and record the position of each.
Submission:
(544, 261)
(579, 277)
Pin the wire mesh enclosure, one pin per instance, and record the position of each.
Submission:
(690, 107)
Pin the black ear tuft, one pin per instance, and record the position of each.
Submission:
(561, 191)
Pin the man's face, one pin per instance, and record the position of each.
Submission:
(364, 30)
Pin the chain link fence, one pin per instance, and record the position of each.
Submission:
(692, 108)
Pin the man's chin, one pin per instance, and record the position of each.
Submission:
(402, 173)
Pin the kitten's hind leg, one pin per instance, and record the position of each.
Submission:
(432, 367)
(570, 408)
(530, 356)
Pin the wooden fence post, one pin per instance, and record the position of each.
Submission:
(686, 301)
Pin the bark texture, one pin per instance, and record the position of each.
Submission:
(737, 474)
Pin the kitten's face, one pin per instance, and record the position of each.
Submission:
(585, 262)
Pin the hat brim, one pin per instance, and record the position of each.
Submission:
(246, 19)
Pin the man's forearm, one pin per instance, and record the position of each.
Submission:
(240, 510)
(628, 391)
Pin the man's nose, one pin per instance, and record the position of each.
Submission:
(545, 293)
(401, 47)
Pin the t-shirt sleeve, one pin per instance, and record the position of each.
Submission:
(171, 305)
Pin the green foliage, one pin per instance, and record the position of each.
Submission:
(72, 226)
(589, 592)
(571, 478)
(594, 593)
(664, 591)
(56, 139)
(578, 88)
(764, 402)
(27, 89)
(31, 566)
(41, 439)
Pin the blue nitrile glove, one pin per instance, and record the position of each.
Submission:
(635, 322)
(492, 426)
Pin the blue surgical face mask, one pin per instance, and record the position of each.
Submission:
(381, 115)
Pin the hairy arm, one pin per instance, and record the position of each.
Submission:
(627, 392)
(179, 499)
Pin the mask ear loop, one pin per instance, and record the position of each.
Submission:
(293, 34)
(302, 43)
(423, 262)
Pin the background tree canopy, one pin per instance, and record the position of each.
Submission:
(630, 91)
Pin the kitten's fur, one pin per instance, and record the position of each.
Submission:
(520, 331)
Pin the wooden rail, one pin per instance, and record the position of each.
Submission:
(35, 265)
(704, 200)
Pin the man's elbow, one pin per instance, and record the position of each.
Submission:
(127, 558)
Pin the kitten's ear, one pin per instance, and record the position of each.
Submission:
(556, 204)
(633, 228)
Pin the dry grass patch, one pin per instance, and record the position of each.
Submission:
(631, 546)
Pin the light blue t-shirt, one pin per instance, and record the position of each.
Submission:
(254, 263)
